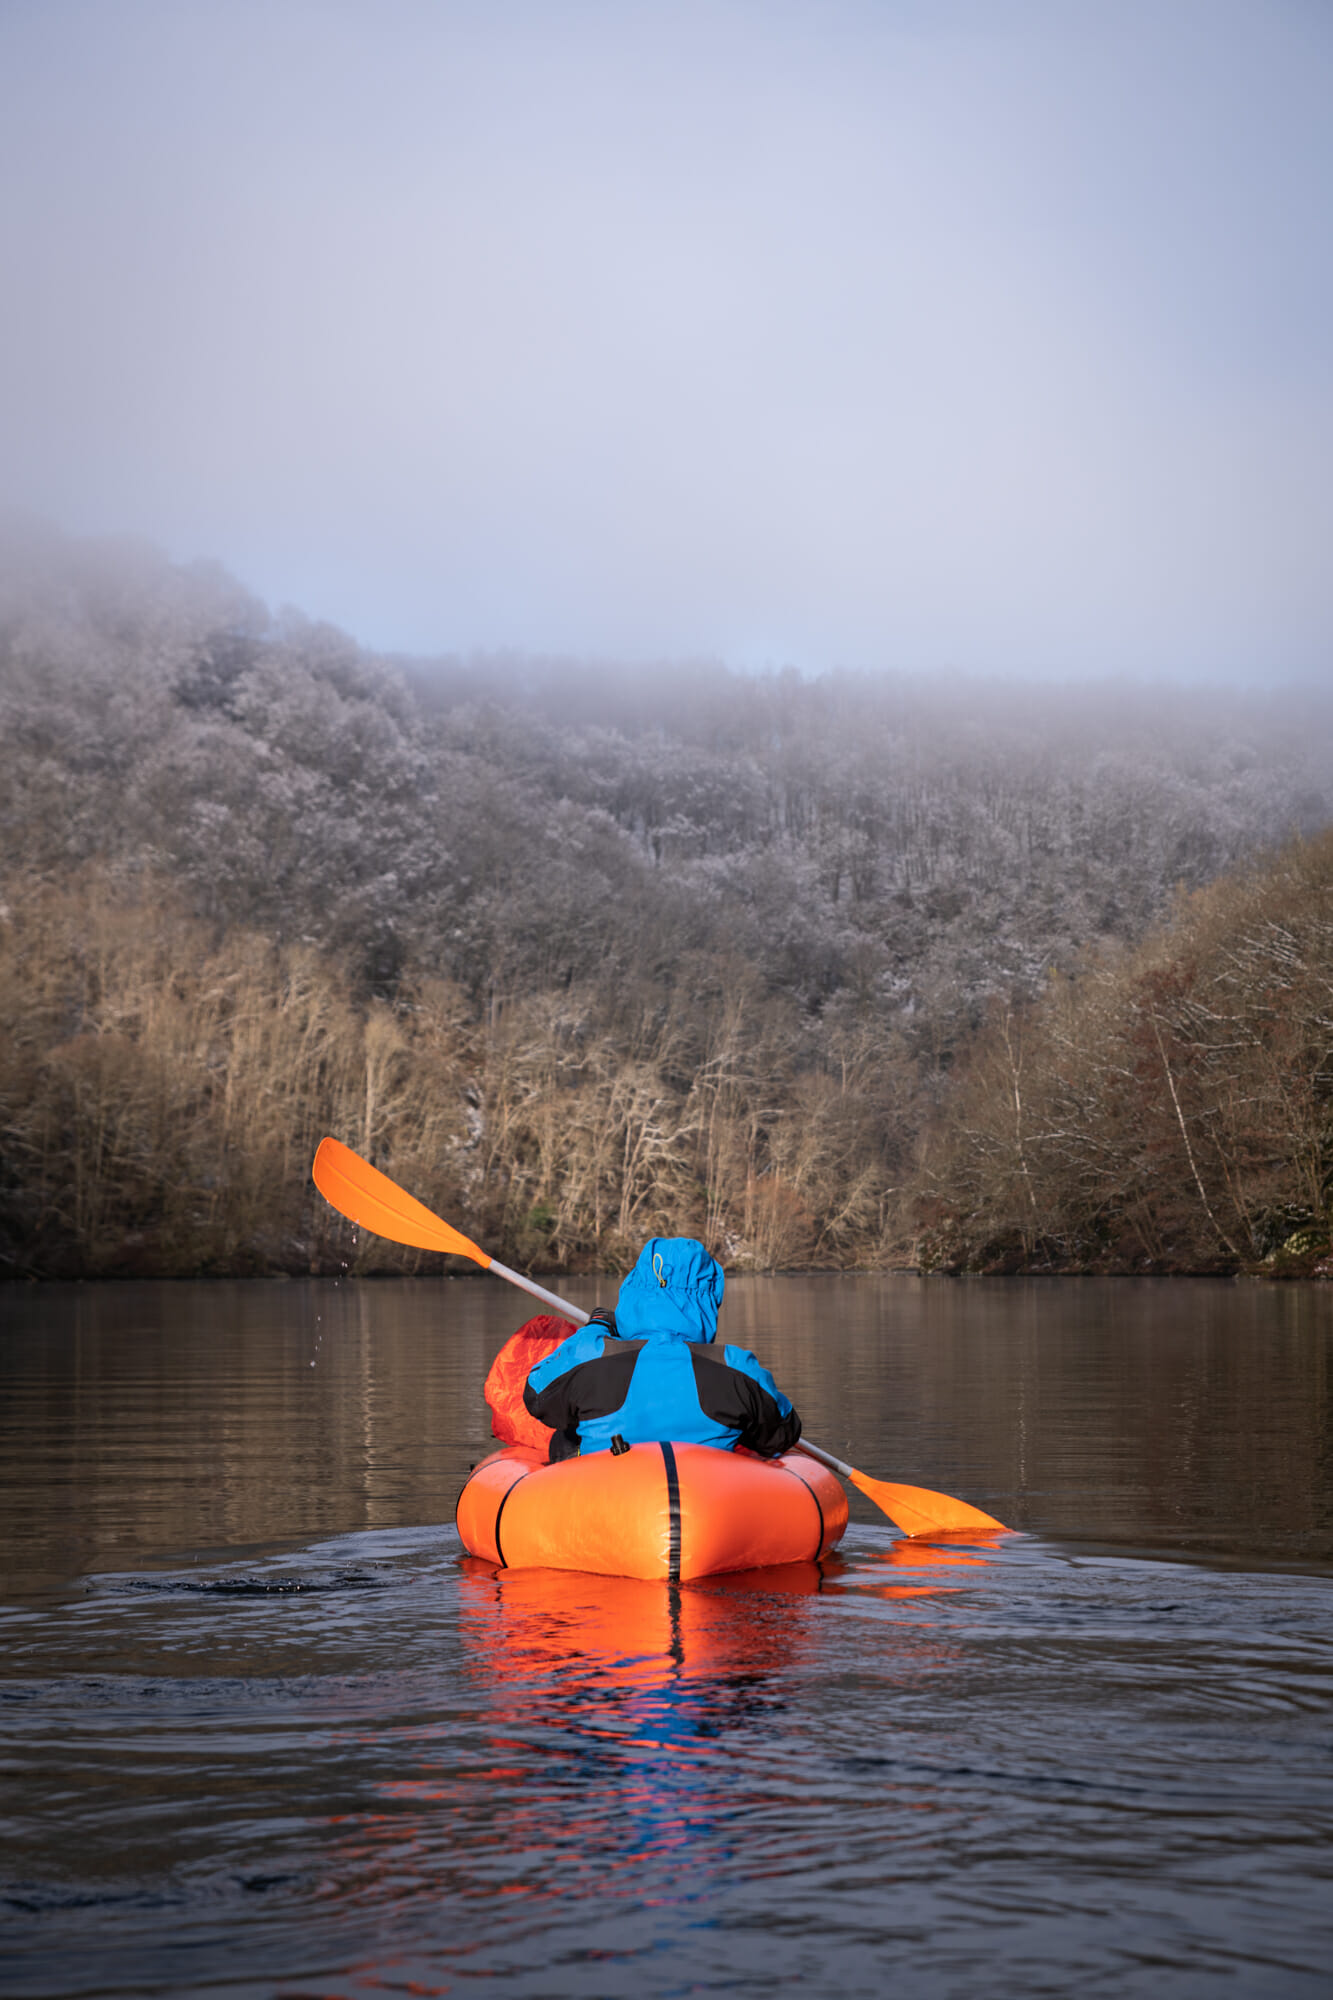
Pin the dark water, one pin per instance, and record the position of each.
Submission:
(264, 1729)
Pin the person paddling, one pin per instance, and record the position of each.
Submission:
(648, 1371)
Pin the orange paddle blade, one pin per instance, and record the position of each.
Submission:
(363, 1194)
(918, 1511)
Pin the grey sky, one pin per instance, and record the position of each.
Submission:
(996, 336)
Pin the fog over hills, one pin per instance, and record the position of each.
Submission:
(848, 868)
(893, 843)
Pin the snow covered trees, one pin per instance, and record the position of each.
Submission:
(1169, 1107)
(716, 946)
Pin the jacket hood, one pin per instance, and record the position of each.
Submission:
(675, 1290)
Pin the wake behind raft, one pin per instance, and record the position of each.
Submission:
(661, 1510)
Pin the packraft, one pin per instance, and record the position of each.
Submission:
(662, 1509)
(673, 1511)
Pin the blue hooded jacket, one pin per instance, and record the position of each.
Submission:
(653, 1374)
(674, 1291)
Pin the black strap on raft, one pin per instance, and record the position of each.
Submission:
(673, 1510)
(499, 1514)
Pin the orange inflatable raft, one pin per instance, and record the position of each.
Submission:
(672, 1511)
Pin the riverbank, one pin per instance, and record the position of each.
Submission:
(164, 1083)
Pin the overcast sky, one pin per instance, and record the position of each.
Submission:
(919, 334)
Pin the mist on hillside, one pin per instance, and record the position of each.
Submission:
(889, 841)
(694, 948)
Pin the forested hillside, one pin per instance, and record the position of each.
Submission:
(575, 952)
(1168, 1107)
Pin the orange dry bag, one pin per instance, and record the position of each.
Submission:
(510, 1369)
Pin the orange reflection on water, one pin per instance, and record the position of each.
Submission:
(608, 1632)
(912, 1554)
(620, 1739)
(621, 1632)
(630, 1633)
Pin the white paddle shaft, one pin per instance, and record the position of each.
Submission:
(562, 1306)
(824, 1457)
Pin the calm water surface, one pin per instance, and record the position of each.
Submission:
(264, 1730)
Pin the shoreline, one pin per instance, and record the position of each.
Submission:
(1320, 1274)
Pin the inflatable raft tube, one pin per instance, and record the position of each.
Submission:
(669, 1511)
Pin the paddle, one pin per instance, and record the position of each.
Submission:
(915, 1509)
(366, 1196)
(363, 1194)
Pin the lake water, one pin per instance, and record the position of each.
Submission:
(265, 1730)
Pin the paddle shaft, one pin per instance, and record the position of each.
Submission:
(826, 1458)
(562, 1306)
